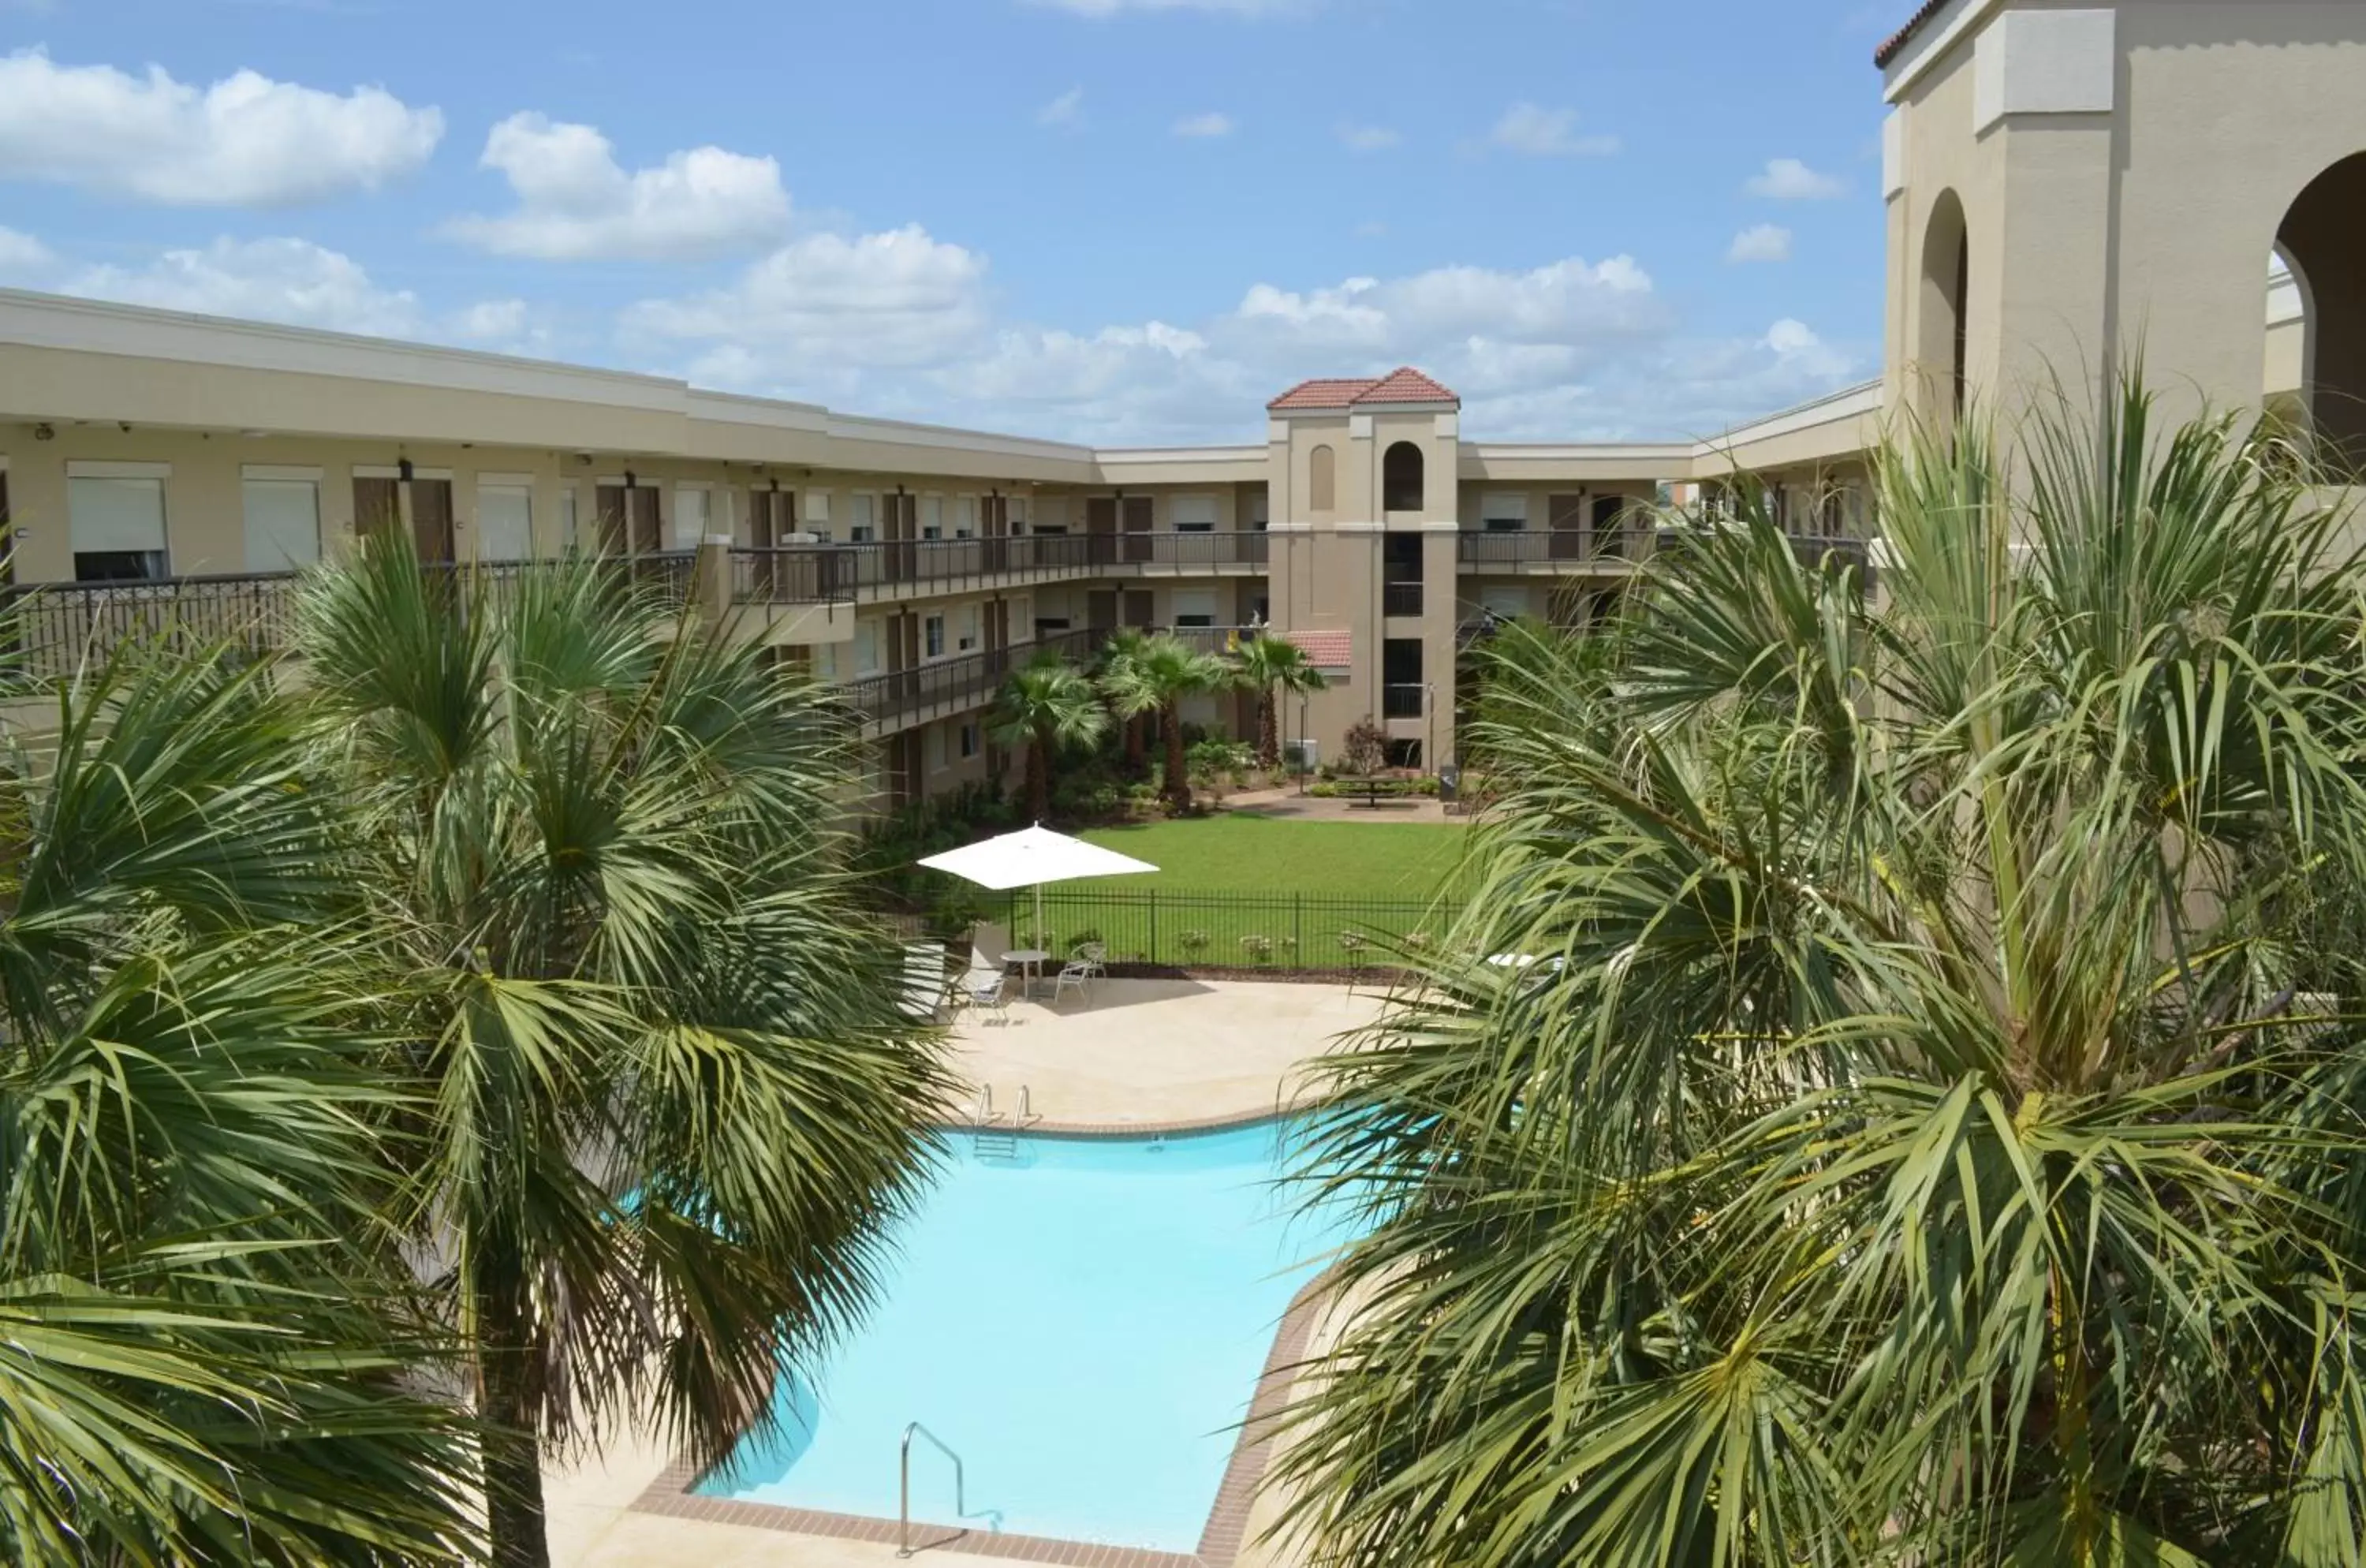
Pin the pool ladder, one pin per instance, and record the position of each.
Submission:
(993, 1134)
(904, 1547)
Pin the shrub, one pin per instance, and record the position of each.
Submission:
(1259, 948)
(1192, 943)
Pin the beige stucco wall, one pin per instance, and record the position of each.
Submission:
(2147, 227)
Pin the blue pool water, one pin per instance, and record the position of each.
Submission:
(1085, 1324)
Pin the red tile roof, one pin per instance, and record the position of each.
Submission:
(1896, 43)
(1407, 386)
(1402, 386)
(1326, 651)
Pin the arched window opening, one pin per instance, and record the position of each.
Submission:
(2323, 242)
(1401, 486)
(1321, 481)
(1943, 344)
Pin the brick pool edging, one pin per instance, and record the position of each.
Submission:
(1221, 1539)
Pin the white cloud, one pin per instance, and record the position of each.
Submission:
(246, 141)
(23, 256)
(1065, 112)
(1204, 126)
(273, 280)
(1548, 133)
(576, 202)
(825, 303)
(1787, 179)
(1761, 243)
(1368, 138)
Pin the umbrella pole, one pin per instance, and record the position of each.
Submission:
(1038, 941)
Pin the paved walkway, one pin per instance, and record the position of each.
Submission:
(1139, 1053)
(1290, 804)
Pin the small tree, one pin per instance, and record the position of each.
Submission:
(1365, 751)
(1047, 704)
(1156, 675)
(1215, 764)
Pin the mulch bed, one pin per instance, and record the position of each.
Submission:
(1374, 975)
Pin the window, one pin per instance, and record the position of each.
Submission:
(1193, 607)
(1321, 480)
(567, 537)
(965, 517)
(817, 513)
(968, 638)
(1193, 514)
(932, 517)
(1258, 512)
(934, 746)
(1019, 514)
(969, 747)
(1050, 516)
(505, 519)
(932, 632)
(689, 515)
(862, 518)
(1050, 626)
(283, 520)
(1503, 512)
(117, 523)
(1401, 479)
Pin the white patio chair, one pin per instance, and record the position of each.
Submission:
(989, 993)
(1076, 976)
(988, 944)
(1094, 957)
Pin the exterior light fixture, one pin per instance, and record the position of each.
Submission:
(402, 469)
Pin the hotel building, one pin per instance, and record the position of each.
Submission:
(2062, 183)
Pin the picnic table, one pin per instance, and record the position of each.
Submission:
(1370, 790)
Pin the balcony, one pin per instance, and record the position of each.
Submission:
(1401, 598)
(49, 631)
(1559, 549)
(952, 686)
(837, 573)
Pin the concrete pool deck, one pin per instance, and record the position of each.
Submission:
(1142, 1055)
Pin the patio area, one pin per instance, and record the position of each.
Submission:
(1140, 1054)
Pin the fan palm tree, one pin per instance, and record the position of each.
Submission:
(1131, 702)
(1154, 677)
(1046, 704)
(1935, 1135)
(205, 1343)
(1270, 665)
(671, 1101)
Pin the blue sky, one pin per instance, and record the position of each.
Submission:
(1129, 221)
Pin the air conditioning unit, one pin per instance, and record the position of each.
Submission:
(1302, 756)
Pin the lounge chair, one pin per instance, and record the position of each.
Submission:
(925, 982)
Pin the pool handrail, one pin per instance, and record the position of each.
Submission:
(904, 1485)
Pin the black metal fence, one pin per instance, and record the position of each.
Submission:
(829, 573)
(1280, 932)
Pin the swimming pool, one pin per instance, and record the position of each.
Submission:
(1084, 1323)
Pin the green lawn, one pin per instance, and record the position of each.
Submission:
(1250, 892)
(1262, 855)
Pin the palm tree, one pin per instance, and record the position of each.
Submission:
(208, 1346)
(1935, 1136)
(1155, 676)
(1270, 665)
(1129, 701)
(670, 1103)
(1045, 705)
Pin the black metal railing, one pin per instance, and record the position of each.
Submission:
(809, 575)
(1403, 700)
(1573, 547)
(1282, 931)
(950, 684)
(49, 631)
(1401, 598)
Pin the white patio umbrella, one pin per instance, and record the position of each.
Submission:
(1031, 857)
